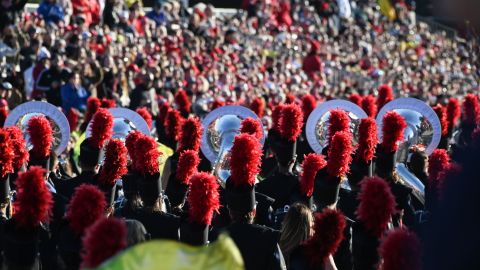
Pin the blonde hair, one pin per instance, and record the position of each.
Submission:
(296, 228)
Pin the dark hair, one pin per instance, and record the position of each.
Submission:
(242, 217)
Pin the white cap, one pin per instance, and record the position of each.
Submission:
(43, 53)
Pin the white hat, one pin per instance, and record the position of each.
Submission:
(43, 53)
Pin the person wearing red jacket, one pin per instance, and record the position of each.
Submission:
(312, 62)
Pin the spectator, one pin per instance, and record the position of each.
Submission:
(73, 93)
(51, 12)
(50, 81)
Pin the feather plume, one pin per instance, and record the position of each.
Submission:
(145, 114)
(291, 122)
(108, 103)
(385, 95)
(187, 166)
(442, 116)
(203, 198)
(103, 240)
(437, 162)
(217, 103)
(246, 157)
(3, 116)
(369, 105)
(147, 155)
(86, 206)
(19, 145)
(34, 200)
(338, 121)
(453, 112)
(182, 101)
(470, 109)
(173, 122)
(6, 154)
(41, 136)
(162, 114)
(290, 98)
(356, 98)
(393, 126)
(115, 162)
(311, 164)
(340, 154)
(401, 249)
(258, 106)
(377, 204)
(189, 136)
(367, 139)
(328, 234)
(93, 104)
(277, 117)
(253, 127)
(101, 128)
(73, 119)
(130, 142)
(308, 105)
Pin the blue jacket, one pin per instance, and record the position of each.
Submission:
(74, 97)
(51, 12)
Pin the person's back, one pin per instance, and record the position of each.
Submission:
(159, 225)
(280, 186)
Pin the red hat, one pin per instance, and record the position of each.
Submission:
(385, 95)
(189, 136)
(377, 204)
(93, 104)
(393, 126)
(130, 142)
(252, 126)
(217, 103)
(401, 249)
(41, 136)
(367, 139)
(188, 162)
(7, 155)
(453, 112)
(34, 200)
(315, 45)
(183, 102)
(101, 128)
(442, 115)
(311, 164)
(290, 98)
(108, 103)
(308, 105)
(257, 106)
(203, 198)
(356, 98)
(437, 162)
(145, 114)
(338, 121)
(19, 145)
(328, 234)
(470, 109)
(291, 122)
(369, 106)
(86, 206)
(114, 164)
(103, 240)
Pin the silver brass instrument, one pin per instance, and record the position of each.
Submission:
(220, 128)
(124, 122)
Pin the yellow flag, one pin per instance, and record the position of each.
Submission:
(172, 255)
(387, 9)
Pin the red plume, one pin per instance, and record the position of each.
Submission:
(182, 101)
(340, 154)
(338, 121)
(290, 98)
(103, 240)
(146, 155)
(115, 162)
(173, 122)
(246, 157)
(162, 114)
(187, 166)
(86, 206)
(41, 136)
(130, 142)
(377, 204)
(93, 104)
(217, 103)
(470, 109)
(203, 198)
(453, 112)
(369, 105)
(311, 164)
(34, 200)
(367, 139)
(189, 136)
(3, 116)
(308, 105)
(442, 116)
(393, 126)
(401, 249)
(257, 106)
(291, 122)
(108, 103)
(6, 154)
(145, 114)
(437, 162)
(328, 234)
(73, 119)
(385, 95)
(101, 128)
(253, 127)
(19, 145)
(356, 98)
(277, 116)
